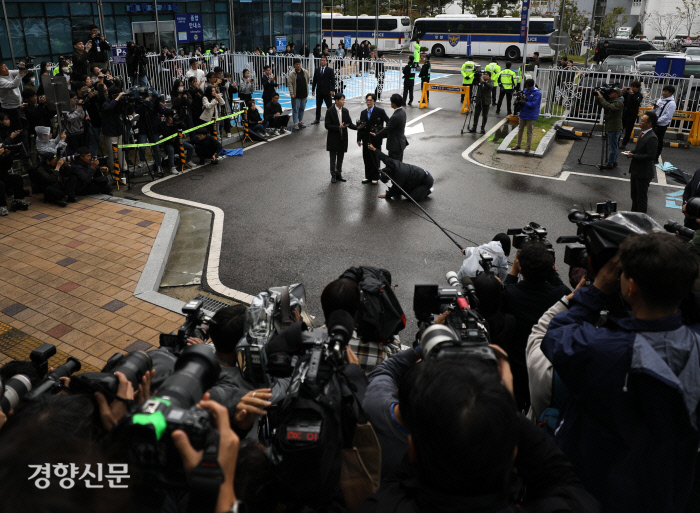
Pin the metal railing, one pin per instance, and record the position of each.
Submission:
(570, 93)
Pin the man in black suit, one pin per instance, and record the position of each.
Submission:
(643, 159)
(337, 123)
(395, 130)
(371, 120)
(323, 86)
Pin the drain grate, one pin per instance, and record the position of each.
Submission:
(211, 306)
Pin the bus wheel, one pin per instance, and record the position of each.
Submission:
(512, 53)
(439, 51)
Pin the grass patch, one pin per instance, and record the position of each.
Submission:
(537, 131)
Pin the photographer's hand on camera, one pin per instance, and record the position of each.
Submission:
(229, 444)
(608, 278)
(111, 413)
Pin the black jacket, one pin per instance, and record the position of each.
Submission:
(323, 84)
(409, 74)
(38, 115)
(182, 104)
(337, 139)
(100, 52)
(79, 66)
(644, 156)
(268, 87)
(167, 130)
(394, 131)
(206, 147)
(112, 111)
(406, 176)
(425, 72)
(632, 103)
(484, 92)
(372, 125)
(254, 117)
(84, 172)
(271, 109)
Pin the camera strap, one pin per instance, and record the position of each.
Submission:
(206, 478)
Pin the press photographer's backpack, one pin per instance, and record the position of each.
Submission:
(380, 316)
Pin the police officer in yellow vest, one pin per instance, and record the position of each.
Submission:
(493, 68)
(467, 75)
(507, 80)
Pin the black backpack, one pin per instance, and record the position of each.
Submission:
(380, 316)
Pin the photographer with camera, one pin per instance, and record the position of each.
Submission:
(530, 100)
(10, 98)
(98, 49)
(136, 65)
(80, 60)
(113, 111)
(170, 127)
(58, 185)
(612, 120)
(415, 181)
(465, 461)
(527, 299)
(149, 110)
(74, 123)
(498, 249)
(633, 99)
(91, 176)
(632, 381)
(482, 100)
(206, 147)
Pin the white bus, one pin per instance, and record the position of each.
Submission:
(468, 35)
(394, 31)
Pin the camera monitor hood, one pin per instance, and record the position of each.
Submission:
(603, 238)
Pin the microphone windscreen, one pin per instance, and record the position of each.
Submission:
(340, 321)
(289, 341)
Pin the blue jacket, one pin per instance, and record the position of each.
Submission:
(531, 108)
(630, 422)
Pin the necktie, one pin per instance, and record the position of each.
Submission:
(322, 70)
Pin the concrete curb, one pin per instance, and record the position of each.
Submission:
(149, 282)
(541, 147)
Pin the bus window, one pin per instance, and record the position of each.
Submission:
(387, 24)
(541, 27)
(483, 27)
(406, 22)
(419, 29)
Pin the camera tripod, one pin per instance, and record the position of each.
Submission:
(474, 94)
(604, 149)
(129, 137)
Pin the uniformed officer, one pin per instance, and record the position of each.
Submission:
(494, 69)
(425, 74)
(409, 79)
(467, 75)
(416, 51)
(507, 80)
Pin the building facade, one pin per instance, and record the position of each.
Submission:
(46, 29)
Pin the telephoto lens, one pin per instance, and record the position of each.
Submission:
(52, 383)
(133, 366)
(195, 372)
(15, 389)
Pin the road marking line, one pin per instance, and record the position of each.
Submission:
(466, 155)
(424, 115)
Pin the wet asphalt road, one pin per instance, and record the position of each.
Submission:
(285, 222)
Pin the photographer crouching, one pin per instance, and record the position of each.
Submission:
(90, 175)
(612, 119)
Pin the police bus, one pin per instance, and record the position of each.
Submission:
(394, 31)
(468, 35)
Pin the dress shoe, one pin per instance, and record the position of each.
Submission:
(72, 199)
(315, 122)
(340, 178)
(62, 202)
(472, 130)
(333, 179)
(614, 164)
(366, 182)
(483, 131)
(606, 166)
(498, 112)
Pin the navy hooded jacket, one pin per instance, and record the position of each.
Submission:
(630, 424)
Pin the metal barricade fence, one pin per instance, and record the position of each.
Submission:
(570, 93)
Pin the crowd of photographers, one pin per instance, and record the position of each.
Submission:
(518, 394)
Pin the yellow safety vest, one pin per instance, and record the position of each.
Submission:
(494, 69)
(468, 73)
(508, 79)
(416, 51)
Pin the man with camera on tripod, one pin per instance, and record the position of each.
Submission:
(612, 120)
(482, 101)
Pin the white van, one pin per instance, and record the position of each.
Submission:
(623, 33)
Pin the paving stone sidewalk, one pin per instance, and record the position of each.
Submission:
(67, 277)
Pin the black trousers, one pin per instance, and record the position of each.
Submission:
(660, 131)
(639, 187)
(280, 121)
(482, 111)
(337, 162)
(628, 127)
(320, 99)
(408, 92)
(13, 184)
(493, 95)
(54, 192)
(421, 192)
(371, 161)
(397, 155)
(508, 93)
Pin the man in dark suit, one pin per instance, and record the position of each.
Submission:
(643, 159)
(395, 130)
(337, 123)
(323, 86)
(372, 119)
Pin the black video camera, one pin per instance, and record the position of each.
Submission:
(605, 89)
(471, 335)
(195, 319)
(529, 233)
(15, 389)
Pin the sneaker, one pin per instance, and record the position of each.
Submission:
(19, 205)
(375, 182)
(4, 212)
(62, 202)
(174, 171)
(301, 124)
(275, 132)
(283, 130)
(432, 189)
(72, 199)
(366, 182)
